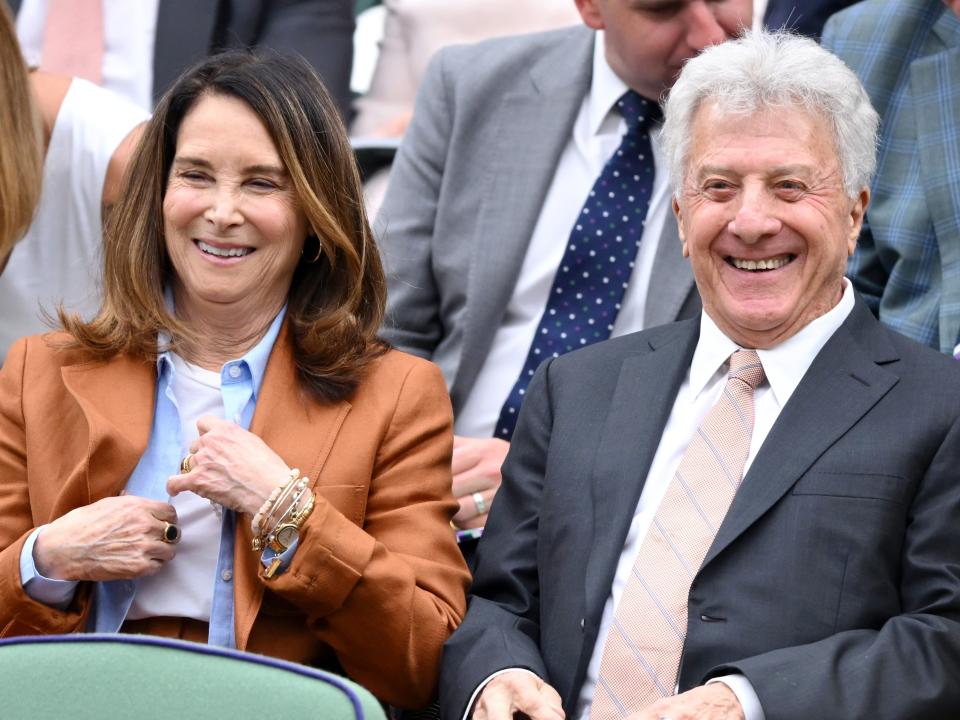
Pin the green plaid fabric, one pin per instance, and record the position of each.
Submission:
(907, 264)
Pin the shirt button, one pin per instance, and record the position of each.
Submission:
(234, 371)
(237, 418)
(226, 575)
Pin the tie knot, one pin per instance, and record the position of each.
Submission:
(745, 366)
(638, 112)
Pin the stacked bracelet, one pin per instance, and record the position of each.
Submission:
(287, 528)
(280, 494)
(279, 519)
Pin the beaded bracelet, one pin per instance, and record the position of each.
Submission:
(266, 512)
(282, 502)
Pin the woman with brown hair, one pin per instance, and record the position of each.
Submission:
(226, 452)
(72, 140)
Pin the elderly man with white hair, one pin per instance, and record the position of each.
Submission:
(753, 513)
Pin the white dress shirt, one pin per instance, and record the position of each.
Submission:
(784, 367)
(597, 132)
(129, 36)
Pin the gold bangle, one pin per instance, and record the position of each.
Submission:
(267, 510)
(291, 491)
(287, 530)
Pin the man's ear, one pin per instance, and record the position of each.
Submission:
(678, 213)
(590, 12)
(857, 213)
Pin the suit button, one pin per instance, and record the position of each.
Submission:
(711, 619)
(581, 623)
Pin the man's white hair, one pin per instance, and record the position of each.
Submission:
(761, 70)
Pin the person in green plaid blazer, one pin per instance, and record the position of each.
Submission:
(907, 264)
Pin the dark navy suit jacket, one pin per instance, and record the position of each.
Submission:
(833, 583)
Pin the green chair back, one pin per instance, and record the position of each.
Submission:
(87, 677)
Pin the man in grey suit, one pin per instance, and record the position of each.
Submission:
(752, 514)
(508, 142)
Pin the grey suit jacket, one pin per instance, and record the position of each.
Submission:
(466, 189)
(833, 583)
(189, 30)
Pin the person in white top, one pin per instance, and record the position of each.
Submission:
(507, 140)
(751, 514)
(145, 45)
(88, 135)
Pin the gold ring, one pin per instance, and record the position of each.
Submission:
(480, 503)
(171, 534)
(185, 463)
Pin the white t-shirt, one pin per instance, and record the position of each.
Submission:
(59, 258)
(184, 586)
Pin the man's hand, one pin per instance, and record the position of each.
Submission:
(517, 691)
(476, 469)
(114, 538)
(715, 701)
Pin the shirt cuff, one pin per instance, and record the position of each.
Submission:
(55, 593)
(267, 558)
(746, 695)
(481, 686)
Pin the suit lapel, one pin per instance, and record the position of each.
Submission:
(116, 398)
(935, 87)
(302, 432)
(535, 121)
(848, 367)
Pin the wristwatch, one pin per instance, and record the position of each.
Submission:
(284, 536)
(287, 532)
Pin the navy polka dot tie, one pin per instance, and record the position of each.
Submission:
(596, 266)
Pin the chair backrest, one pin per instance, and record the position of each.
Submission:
(149, 678)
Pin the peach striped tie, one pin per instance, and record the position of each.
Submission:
(642, 653)
(73, 39)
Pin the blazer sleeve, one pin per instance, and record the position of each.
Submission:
(502, 629)
(319, 30)
(19, 613)
(385, 596)
(405, 224)
(906, 667)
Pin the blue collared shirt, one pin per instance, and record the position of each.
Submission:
(241, 380)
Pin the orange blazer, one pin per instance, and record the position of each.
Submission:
(377, 582)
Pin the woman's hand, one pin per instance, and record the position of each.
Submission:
(230, 466)
(112, 539)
